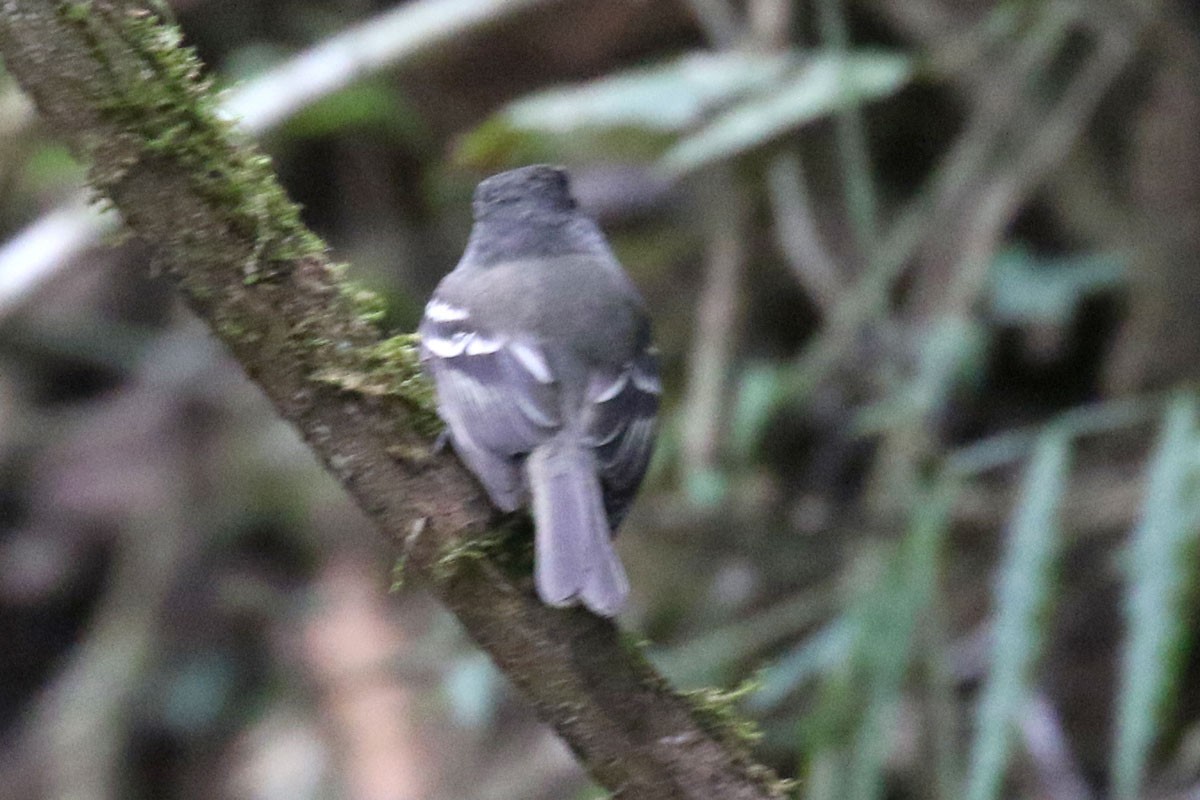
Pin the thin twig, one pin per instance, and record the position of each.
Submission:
(47, 245)
(796, 232)
(1001, 100)
(964, 164)
(770, 23)
(1046, 146)
(1058, 774)
(718, 20)
(715, 337)
(82, 721)
(793, 222)
(850, 132)
(1001, 194)
(944, 767)
(405, 32)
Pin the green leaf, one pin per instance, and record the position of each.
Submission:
(498, 143)
(708, 658)
(822, 652)
(197, 693)
(472, 687)
(52, 166)
(753, 403)
(823, 84)
(706, 487)
(951, 352)
(636, 114)
(1025, 288)
(670, 97)
(866, 655)
(363, 106)
(1161, 566)
(1025, 586)
(889, 635)
(642, 111)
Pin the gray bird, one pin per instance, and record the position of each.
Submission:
(539, 348)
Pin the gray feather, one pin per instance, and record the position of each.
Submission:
(496, 404)
(575, 560)
(621, 427)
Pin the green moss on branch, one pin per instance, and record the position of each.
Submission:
(390, 368)
(162, 100)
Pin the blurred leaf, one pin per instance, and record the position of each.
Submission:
(705, 660)
(820, 653)
(706, 487)
(1162, 568)
(635, 113)
(51, 166)
(497, 143)
(1026, 288)
(368, 105)
(472, 687)
(251, 60)
(638, 113)
(1014, 443)
(1022, 596)
(753, 404)
(890, 632)
(669, 97)
(866, 655)
(841, 700)
(949, 350)
(951, 353)
(823, 84)
(593, 792)
(824, 776)
(16, 113)
(196, 695)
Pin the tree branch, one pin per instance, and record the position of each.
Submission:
(403, 33)
(115, 82)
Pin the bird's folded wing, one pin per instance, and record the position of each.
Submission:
(494, 390)
(622, 408)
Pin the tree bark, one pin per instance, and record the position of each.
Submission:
(114, 81)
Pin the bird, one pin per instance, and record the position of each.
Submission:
(540, 350)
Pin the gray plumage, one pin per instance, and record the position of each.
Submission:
(540, 351)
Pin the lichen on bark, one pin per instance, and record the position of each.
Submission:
(165, 103)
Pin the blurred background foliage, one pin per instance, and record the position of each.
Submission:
(923, 274)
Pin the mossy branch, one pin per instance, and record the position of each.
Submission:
(115, 81)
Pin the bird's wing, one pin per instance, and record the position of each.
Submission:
(623, 405)
(495, 392)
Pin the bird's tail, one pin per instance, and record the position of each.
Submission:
(574, 556)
